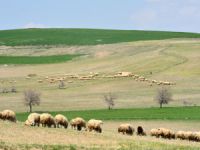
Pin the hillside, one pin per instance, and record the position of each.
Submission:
(83, 36)
(174, 60)
(88, 62)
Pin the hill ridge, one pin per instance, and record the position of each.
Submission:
(76, 36)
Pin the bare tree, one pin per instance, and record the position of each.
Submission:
(109, 99)
(31, 98)
(163, 96)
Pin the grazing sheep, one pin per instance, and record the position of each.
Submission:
(162, 132)
(159, 83)
(166, 83)
(188, 135)
(191, 136)
(154, 132)
(47, 120)
(153, 81)
(166, 133)
(140, 131)
(196, 136)
(73, 124)
(8, 115)
(126, 128)
(141, 78)
(95, 125)
(33, 120)
(28, 123)
(40, 81)
(61, 120)
(180, 135)
(78, 123)
(124, 74)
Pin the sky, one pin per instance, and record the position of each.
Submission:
(165, 15)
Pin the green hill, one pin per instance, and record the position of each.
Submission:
(83, 36)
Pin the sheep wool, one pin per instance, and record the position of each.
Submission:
(126, 129)
(95, 125)
(61, 120)
(8, 115)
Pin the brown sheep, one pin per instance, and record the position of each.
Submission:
(154, 132)
(180, 135)
(78, 123)
(188, 135)
(162, 132)
(196, 136)
(166, 133)
(192, 136)
(47, 120)
(126, 128)
(95, 125)
(8, 115)
(61, 120)
(140, 131)
(33, 119)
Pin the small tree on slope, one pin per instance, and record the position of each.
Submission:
(163, 96)
(109, 99)
(31, 98)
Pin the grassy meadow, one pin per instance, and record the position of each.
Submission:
(35, 59)
(166, 113)
(58, 53)
(83, 36)
(23, 137)
(164, 60)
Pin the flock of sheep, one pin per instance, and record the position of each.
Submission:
(93, 75)
(169, 134)
(47, 120)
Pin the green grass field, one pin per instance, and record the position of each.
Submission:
(36, 59)
(161, 56)
(83, 36)
(167, 113)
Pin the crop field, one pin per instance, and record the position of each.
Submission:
(83, 36)
(35, 59)
(89, 62)
(173, 113)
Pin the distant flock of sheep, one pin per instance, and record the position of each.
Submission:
(142, 79)
(47, 120)
(94, 75)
